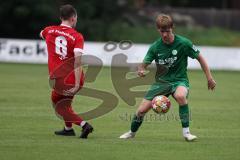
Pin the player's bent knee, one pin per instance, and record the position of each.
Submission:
(180, 96)
(181, 99)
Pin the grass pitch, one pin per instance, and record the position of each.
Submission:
(27, 121)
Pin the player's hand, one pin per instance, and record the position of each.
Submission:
(211, 84)
(72, 91)
(141, 73)
(141, 70)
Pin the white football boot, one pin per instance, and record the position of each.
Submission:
(189, 137)
(128, 135)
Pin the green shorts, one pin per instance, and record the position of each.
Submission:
(164, 88)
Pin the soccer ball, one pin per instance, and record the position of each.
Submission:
(161, 104)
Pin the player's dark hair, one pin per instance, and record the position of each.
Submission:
(67, 11)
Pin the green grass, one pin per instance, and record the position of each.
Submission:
(27, 122)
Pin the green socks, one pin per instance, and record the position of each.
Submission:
(136, 123)
(184, 115)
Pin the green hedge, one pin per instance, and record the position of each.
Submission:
(199, 35)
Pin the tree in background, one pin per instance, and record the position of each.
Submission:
(25, 18)
(98, 20)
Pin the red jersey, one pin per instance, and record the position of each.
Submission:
(61, 42)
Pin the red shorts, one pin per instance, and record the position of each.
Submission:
(62, 100)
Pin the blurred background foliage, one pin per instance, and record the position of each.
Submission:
(116, 20)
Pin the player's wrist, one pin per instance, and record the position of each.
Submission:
(210, 79)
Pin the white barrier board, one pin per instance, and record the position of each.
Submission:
(34, 51)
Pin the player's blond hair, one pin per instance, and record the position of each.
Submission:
(164, 21)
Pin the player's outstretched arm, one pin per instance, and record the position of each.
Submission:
(205, 68)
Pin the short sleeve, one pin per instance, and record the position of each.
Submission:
(44, 32)
(150, 56)
(79, 44)
(191, 50)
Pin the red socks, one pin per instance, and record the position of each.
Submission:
(62, 106)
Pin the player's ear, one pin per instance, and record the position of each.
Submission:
(72, 19)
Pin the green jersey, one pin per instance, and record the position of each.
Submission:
(171, 59)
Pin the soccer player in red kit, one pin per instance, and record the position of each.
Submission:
(65, 47)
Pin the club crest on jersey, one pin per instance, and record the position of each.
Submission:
(174, 52)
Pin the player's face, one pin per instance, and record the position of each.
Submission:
(166, 34)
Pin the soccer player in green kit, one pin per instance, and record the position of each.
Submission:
(170, 53)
